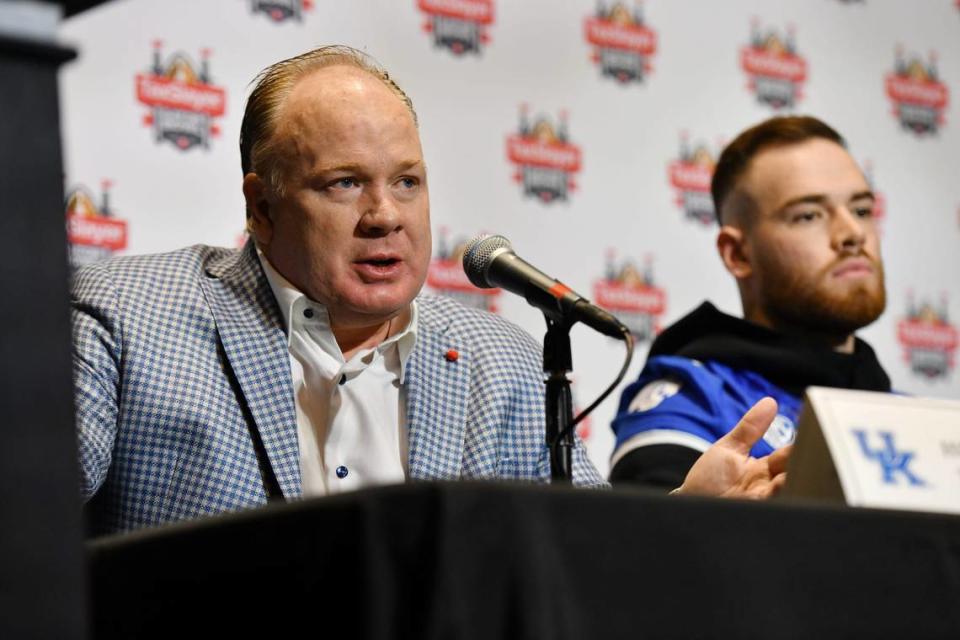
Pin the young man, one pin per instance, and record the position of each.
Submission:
(797, 234)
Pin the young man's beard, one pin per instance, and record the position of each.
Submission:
(797, 302)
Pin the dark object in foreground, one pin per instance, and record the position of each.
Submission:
(494, 561)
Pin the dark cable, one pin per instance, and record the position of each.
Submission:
(628, 339)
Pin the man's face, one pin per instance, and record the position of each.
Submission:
(813, 243)
(352, 228)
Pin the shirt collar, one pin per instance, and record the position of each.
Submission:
(290, 299)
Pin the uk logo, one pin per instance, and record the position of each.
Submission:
(445, 276)
(895, 463)
(632, 295)
(690, 176)
(776, 71)
(918, 95)
(545, 158)
(928, 339)
(623, 44)
(281, 10)
(460, 26)
(183, 101)
(94, 232)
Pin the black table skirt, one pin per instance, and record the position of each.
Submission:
(497, 561)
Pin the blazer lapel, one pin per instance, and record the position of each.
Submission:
(251, 331)
(437, 392)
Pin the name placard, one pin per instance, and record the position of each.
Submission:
(877, 450)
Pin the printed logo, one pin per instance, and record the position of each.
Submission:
(94, 233)
(654, 393)
(919, 97)
(632, 296)
(281, 10)
(446, 276)
(782, 431)
(459, 26)
(776, 71)
(183, 102)
(623, 44)
(894, 462)
(929, 340)
(545, 158)
(690, 176)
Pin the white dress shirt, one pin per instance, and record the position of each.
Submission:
(351, 415)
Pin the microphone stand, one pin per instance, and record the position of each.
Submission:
(557, 363)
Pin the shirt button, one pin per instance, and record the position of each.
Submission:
(308, 313)
(342, 472)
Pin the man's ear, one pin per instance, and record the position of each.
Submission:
(259, 221)
(734, 251)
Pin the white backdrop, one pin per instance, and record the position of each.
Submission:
(584, 131)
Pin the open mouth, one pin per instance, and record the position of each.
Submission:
(380, 262)
(379, 266)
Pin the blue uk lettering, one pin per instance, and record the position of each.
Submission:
(890, 459)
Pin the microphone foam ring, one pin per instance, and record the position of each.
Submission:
(476, 257)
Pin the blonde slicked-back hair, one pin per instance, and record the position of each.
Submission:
(258, 142)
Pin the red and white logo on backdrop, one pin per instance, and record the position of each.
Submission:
(460, 26)
(446, 276)
(632, 295)
(919, 96)
(94, 232)
(690, 176)
(623, 44)
(928, 339)
(281, 10)
(775, 70)
(182, 99)
(545, 159)
(879, 201)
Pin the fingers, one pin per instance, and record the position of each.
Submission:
(761, 489)
(751, 427)
(776, 485)
(777, 461)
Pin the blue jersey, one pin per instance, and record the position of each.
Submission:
(684, 402)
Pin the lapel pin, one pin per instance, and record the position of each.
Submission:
(452, 355)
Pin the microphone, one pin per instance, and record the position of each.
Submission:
(489, 261)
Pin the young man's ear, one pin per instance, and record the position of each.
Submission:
(733, 249)
(259, 222)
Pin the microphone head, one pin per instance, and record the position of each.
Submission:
(478, 256)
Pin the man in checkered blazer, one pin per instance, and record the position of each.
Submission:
(185, 385)
(203, 376)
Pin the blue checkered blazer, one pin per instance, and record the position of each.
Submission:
(181, 358)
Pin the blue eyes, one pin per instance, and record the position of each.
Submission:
(350, 183)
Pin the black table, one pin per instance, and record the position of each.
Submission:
(497, 561)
